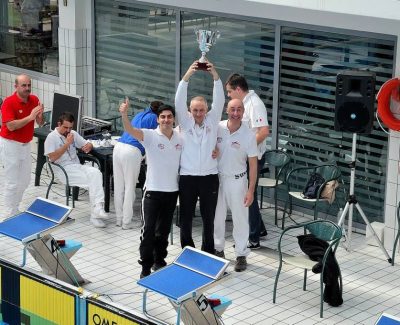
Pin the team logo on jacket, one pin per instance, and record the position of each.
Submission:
(161, 146)
(208, 129)
(178, 146)
(235, 145)
(219, 139)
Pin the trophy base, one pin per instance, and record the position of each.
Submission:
(202, 66)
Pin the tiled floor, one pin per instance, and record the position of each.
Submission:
(109, 260)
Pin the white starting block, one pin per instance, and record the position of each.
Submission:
(183, 281)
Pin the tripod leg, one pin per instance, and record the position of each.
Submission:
(341, 220)
(341, 224)
(373, 232)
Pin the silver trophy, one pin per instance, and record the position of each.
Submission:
(206, 39)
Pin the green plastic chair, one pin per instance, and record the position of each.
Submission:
(398, 234)
(329, 172)
(322, 229)
(277, 162)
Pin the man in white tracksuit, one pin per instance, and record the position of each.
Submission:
(255, 115)
(237, 145)
(60, 146)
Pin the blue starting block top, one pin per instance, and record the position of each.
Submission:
(386, 319)
(191, 271)
(49, 210)
(42, 215)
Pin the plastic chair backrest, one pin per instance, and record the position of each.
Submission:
(325, 230)
(329, 172)
(276, 158)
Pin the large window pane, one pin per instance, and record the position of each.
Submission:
(135, 55)
(310, 62)
(29, 34)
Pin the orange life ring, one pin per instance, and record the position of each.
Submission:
(389, 90)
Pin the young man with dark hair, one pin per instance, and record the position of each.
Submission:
(60, 146)
(128, 154)
(163, 152)
(255, 115)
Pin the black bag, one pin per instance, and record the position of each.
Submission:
(313, 185)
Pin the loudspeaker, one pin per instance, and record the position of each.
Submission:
(355, 99)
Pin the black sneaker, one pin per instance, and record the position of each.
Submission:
(157, 266)
(219, 254)
(253, 246)
(144, 273)
(241, 264)
(263, 233)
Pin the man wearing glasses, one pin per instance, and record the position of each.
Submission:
(60, 146)
(19, 112)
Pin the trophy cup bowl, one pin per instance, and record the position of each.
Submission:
(206, 39)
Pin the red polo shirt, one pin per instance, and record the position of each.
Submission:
(14, 108)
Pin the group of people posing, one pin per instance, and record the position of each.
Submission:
(203, 158)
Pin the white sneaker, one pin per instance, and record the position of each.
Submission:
(127, 226)
(98, 223)
(118, 223)
(99, 213)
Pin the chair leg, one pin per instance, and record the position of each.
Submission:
(67, 193)
(395, 245)
(316, 211)
(284, 215)
(276, 281)
(48, 189)
(284, 211)
(321, 284)
(305, 280)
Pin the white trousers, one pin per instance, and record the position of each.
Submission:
(231, 195)
(16, 159)
(84, 176)
(126, 169)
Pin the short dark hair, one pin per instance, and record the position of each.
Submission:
(66, 116)
(236, 80)
(155, 104)
(165, 107)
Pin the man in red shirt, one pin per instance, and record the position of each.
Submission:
(19, 113)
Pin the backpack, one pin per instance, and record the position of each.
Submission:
(312, 186)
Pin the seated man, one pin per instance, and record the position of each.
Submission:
(60, 146)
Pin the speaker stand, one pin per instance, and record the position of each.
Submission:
(352, 201)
